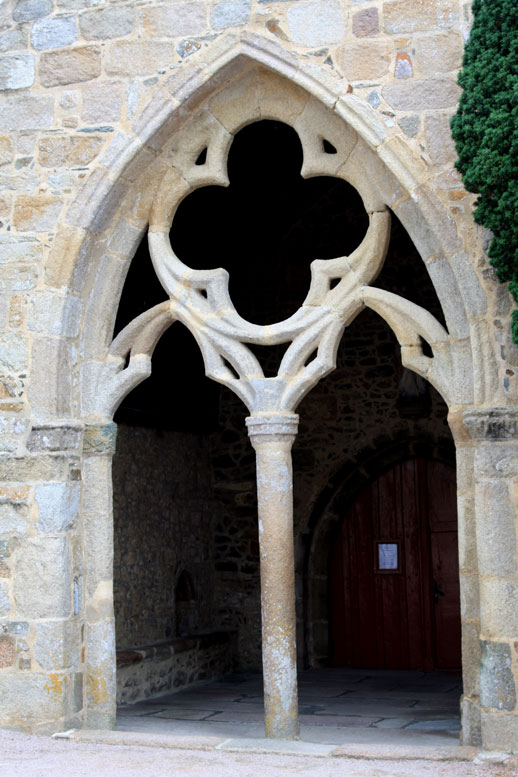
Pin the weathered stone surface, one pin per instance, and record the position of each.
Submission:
(29, 469)
(469, 596)
(497, 686)
(6, 151)
(13, 518)
(58, 506)
(29, 697)
(102, 102)
(100, 685)
(439, 53)
(498, 610)
(126, 237)
(175, 20)
(230, 13)
(69, 67)
(108, 22)
(439, 143)
(54, 438)
(14, 627)
(54, 33)
(27, 112)
(49, 390)
(58, 645)
(61, 150)
(498, 423)
(422, 95)
(496, 461)
(12, 429)
(66, 265)
(139, 57)
(7, 652)
(499, 731)
(13, 354)
(42, 585)
(410, 125)
(38, 213)
(19, 277)
(474, 295)
(54, 314)
(316, 23)
(365, 59)
(496, 537)
(69, 99)
(25, 10)
(366, 22)
(5, 601)
(100, 439)
(13, 40)
(405, 16)
(403, 68)
(16, 71)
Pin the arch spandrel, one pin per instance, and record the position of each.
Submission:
(382, 168)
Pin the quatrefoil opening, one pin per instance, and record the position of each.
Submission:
(269, 224)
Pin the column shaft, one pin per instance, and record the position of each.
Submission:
(272, 438)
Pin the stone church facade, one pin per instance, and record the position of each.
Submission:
(129, 548)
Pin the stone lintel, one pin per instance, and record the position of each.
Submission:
(100, 439)
(492, 423)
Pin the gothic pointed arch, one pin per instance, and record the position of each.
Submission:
(245, 78)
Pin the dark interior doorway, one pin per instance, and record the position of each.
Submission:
(395, 577)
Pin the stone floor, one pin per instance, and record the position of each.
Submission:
(346, 707)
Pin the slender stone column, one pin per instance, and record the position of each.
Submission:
(272, 437)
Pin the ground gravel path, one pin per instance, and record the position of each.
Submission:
(22, 755)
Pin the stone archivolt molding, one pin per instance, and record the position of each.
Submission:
(339, 288)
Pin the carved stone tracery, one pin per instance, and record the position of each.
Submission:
(339, 289)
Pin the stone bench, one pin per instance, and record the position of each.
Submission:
(165, 667)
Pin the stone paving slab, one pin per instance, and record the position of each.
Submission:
(361, 750)
(170, 714)
(435, 725)
(345, 709)
(310, 720)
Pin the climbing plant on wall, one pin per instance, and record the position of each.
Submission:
(485, 130)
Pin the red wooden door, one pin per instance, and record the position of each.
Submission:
(395, 573)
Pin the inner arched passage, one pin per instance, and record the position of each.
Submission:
(185, 434)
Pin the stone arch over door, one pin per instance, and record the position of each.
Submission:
(326, 521)
(245, 78)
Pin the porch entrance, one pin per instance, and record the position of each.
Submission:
(395, 576)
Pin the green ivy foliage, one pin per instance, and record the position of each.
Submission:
(485, 130)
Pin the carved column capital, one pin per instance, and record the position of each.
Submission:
(100, 439)
(272, 428)
(486, 424)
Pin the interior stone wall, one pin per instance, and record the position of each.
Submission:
(164, 522)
